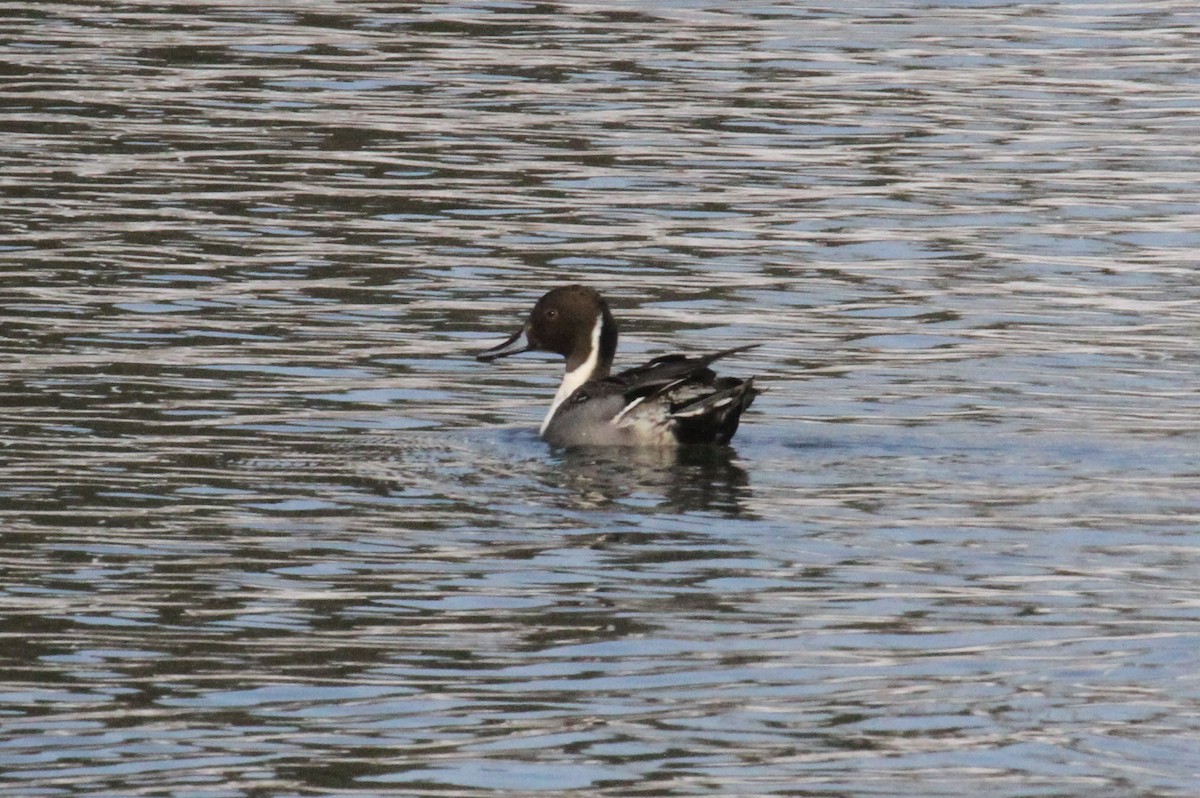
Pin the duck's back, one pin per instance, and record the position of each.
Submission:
(671, 400)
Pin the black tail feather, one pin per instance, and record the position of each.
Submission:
(715, 417)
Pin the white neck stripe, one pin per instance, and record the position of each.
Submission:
(577, 376)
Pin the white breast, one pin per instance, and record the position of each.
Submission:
(577, 376)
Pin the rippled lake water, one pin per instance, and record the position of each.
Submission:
(268, 529)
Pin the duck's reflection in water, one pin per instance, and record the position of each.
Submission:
(683, 479)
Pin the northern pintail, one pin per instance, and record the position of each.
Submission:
(670, 400)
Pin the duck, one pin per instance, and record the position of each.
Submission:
(669, 401)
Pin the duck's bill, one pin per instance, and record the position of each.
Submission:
(513, 346)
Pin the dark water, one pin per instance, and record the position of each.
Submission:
(268, 530)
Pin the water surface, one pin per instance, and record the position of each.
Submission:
(268, 529)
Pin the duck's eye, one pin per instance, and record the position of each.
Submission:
(552, 314)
